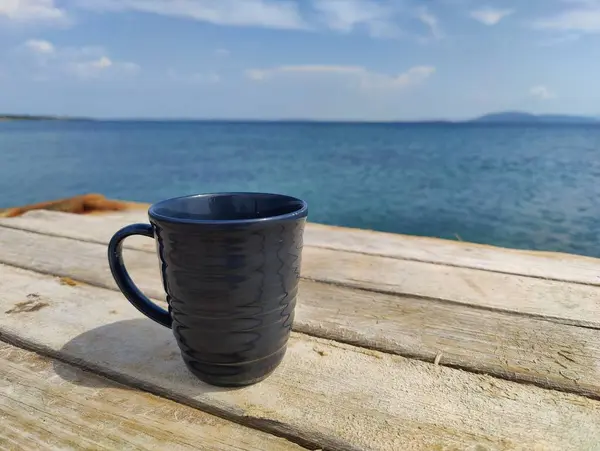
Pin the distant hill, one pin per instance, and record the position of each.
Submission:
(25, 117)
(518, 117)
(28, 117)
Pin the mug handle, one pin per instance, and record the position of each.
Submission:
(126, 285)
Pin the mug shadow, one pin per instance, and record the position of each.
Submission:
(136, 353)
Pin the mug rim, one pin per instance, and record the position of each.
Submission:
(302, 212)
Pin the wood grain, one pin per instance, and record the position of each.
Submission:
(562, 302)
(510, 346)
(545, 265)
(46, 404)
(335, 395)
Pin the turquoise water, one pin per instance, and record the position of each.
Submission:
(533, 187)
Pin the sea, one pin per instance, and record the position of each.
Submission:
(519, 186)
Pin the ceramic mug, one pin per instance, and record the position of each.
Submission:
(230, 264)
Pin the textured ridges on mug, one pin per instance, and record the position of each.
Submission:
(232, 295)
(239, 346)
(235, 375)
(252, 311)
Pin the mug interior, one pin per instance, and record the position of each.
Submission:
(227, 207)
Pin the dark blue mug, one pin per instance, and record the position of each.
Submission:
(230, 265)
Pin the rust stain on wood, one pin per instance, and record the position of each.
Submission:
(68, 281)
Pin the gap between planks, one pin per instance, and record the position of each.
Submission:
(339, 396)
(47, 404)
(508, 346)
(539, 264)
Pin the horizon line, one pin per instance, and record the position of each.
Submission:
(572, 117)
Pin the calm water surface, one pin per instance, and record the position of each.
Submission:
(533, 187)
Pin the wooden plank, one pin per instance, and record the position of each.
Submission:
(95, 228)
(46, 404)
(515, 347)
(561, 302)
(545, 265)
(331, 394)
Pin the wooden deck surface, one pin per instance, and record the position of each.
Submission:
(400, 343)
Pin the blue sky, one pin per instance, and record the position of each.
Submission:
(320, 59)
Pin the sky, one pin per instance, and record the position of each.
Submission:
(299, 59)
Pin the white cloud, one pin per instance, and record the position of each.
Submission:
(222, 52)
(283, 14)
(45, 61)
(490, 16)
(100, 67)
(585, 18)
(31, 10)
(432, 22)
(263, 74)
(541, 92)
(360, 76)
(347, 15)
(377, 18)
(412, 76)
(40, 46)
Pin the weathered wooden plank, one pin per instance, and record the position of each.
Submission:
(562, 302)
(46, 404)
(92, 228)
(506, 345)
(339, 396)
(545, 265)
(518, 348)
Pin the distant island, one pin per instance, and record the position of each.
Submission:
(518, 117)
(29, 117)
